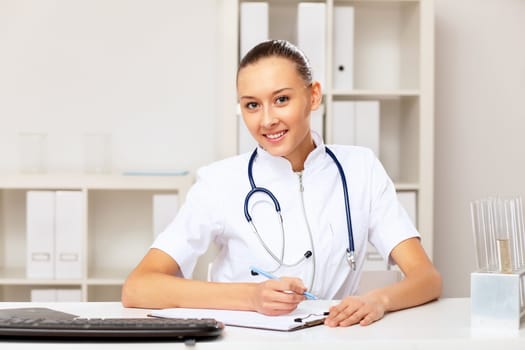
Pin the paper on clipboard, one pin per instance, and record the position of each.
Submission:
(303, 317)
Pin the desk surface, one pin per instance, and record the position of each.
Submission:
(444, 324)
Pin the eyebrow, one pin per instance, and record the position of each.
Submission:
(273, 93)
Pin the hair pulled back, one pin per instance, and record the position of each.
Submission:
(279, 48)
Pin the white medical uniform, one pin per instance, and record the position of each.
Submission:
(313, 211)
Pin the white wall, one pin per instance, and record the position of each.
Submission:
(144, 71)
(480, 122)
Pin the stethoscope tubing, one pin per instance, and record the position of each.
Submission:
(350, 251)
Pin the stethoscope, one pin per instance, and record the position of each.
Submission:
(350, 251)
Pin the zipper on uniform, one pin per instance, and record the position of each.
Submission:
(301, 191)
(301, 188)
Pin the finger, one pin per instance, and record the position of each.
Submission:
(356, 317)
(293, 284)
(272, 297)
(368, 319)
(276, 309)
(277, 303)
(339, 313)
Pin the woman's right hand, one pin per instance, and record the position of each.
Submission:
(278, 296)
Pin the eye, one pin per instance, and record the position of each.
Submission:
(251, 105)
(281, 100)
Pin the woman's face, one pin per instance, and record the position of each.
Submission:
(276, 104)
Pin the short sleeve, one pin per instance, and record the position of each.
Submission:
(389, 222)
(188, 236)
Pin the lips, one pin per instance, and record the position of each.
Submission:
(276, 136)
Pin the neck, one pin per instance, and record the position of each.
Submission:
(298, 158)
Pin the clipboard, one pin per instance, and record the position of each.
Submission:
(300, 318)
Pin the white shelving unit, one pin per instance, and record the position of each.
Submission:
(393, 64)
(118, 229)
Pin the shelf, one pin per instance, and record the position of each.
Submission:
(84, 181)
(105, 281)
(406, 186)
(374, 94)
(107, 276)
(16, 276)
(118, 229)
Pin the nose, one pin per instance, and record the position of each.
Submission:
(268, 119)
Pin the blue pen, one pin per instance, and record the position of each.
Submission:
(256, 271)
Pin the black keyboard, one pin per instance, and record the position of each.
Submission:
(150, 328)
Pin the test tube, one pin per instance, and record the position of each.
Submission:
(483, 233)
(499, 234)
(503, 244)
(479, 239)
(490, 233)
(520, 233)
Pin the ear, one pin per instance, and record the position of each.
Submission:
(316, 95)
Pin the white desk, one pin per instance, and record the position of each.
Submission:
(444, 324)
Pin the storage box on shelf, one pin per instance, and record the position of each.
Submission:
(116, 231)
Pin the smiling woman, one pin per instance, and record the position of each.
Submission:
(276, 98)
(277, 95)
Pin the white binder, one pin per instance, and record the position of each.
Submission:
(43, 295)
(253, 25)
(367, 125)
(343, 123)
(68, 295)
(408, 200)
(53, 295)
(356, 123)
(69, 223)
(246, 142)
(317, 120)
(165, 207)
(40, 235)
(343, 58)
(311, 36)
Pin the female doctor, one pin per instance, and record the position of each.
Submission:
(295, 208)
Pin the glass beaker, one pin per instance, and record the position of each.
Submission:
(97, 152)
(32, 152)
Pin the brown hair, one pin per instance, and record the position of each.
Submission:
(279, 48)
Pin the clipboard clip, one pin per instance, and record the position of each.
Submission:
(314, 322)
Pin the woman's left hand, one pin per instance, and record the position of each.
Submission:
(352, 310)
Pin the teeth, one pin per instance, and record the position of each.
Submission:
(275, 136)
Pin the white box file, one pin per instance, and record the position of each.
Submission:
(343, 122)
(68, 295)
(343, 58)
(53, 295)
(253, 25)
(165, 207)
(408, 200)
(317, 120)
(356, 123)
(40, 216)
(311, 36)
(367, 125)
(69, 223)
(246, 142)
(43, 295)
